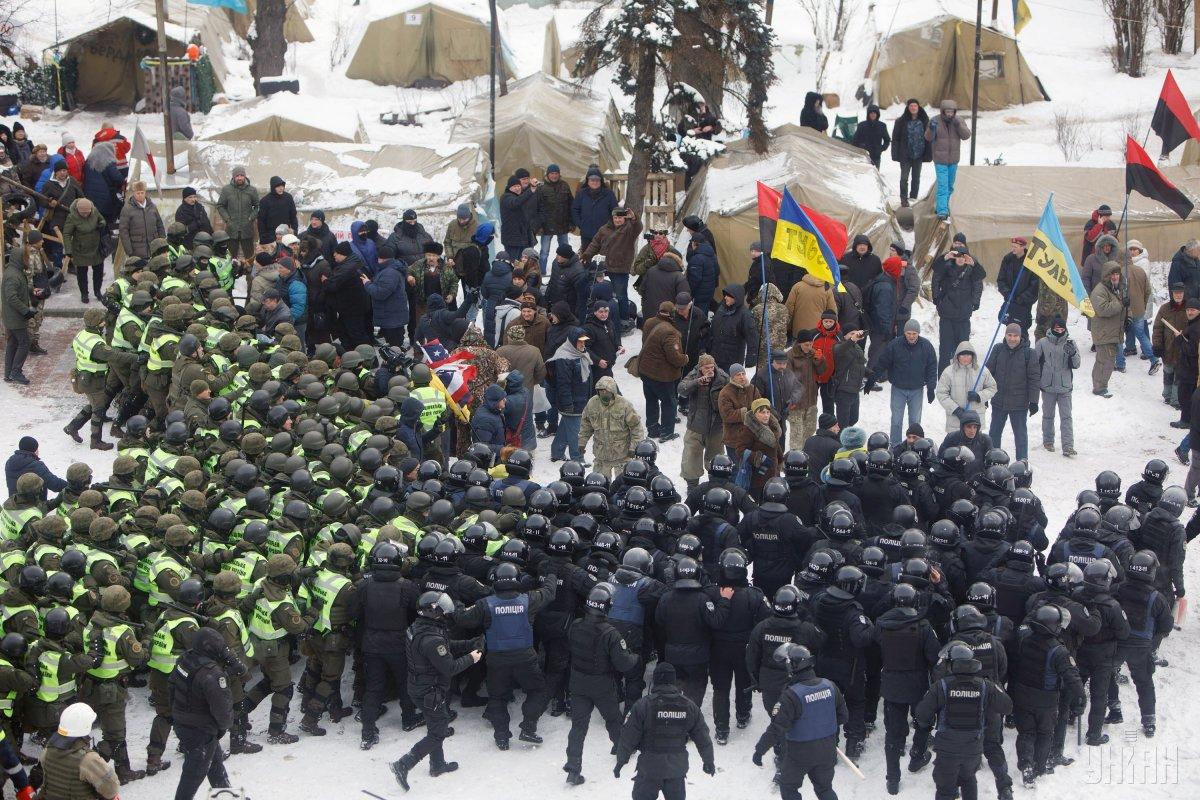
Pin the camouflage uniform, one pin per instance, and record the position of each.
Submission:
(1049, 306)
(614, 428)
(35, 265)
(777, 322)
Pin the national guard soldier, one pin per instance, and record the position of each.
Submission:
(173, 634)
(332, 598)
(94, 357)
(224, 617)
(273, 617)
(59, 662)
(806, 721)
(599, 656)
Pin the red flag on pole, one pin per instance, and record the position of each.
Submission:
(141, 151)
(1173, 120)
(832, 231)
(1143, 177)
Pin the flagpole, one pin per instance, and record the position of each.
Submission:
(160, 14)
(1003, 313)
(766, 331)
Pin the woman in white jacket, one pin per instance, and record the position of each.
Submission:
(957, 382)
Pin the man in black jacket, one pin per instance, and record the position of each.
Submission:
(687, 615)
(823, 444)
(1150, 621)
(660, 726)
(274, 209)
(872, 135)
(320, 231)
(789, 623)
(1020, 305)
(734, 334)
(435, 659)
(599, 656)
(517, 206)
(859, 264)
(957, 288)
(1018, 376)
(1098, 655)
(201, 710)
(345, 296)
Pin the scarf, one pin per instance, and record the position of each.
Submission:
(659, 247)
(567, 351)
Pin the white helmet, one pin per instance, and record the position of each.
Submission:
(76, 721)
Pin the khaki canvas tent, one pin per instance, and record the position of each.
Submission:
(990, 205)
(282, 117)
(559, 60)
(425, 44)
(1191, 151)
(829, 176)
(935, 60)
(295, 23)
(351, 181)
(111, 44)
(544, 120)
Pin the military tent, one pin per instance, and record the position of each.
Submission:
(826, 175)
(110, 43)
(351, 181)
(283, 117)
(990, 205)
(935, 60)
(544, 120)
(425, 44)
(295, 23)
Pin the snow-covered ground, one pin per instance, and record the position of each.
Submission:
(1065, 46)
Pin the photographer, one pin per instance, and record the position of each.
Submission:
(957, 287)
(617, 241)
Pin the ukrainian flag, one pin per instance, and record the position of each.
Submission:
(1050, 259)
(1021, 15)
(799, 242)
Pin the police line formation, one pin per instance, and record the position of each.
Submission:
(263, 508)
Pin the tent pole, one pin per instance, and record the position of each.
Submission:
(492, 92)
(163, 88)
(975, 80)
(995, 12)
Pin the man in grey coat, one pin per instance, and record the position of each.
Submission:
(1058, 358)
(140, 223)
(1018, 377)
(237, 206)
(702, 439)
(181, 123)
(946, 133)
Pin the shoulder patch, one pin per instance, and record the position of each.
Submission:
(709, 604)
(775, 710)
(136, 647)
(442, 651)
(863, 619)
(222, 683)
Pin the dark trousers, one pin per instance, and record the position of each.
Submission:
(693, 681)
(896, 725)
(1096, 671)
(993, 751)
(913, 169)
(727, 663)
(1035, 735)
(620, 285)
(81, 278)
(502, 679)
(558, 660)
(952, 773)
(1141, 672)
(854, 693)
(1187, 386)
(393, 336)
(202, 758)
(1019, 421)
(846, 405)
(826, 392)
(661, 403)
(603, 697)
(871, 687)
(16, 350)
(377, 667)
(649, 788)
(354, 332)
(821, 776)
(437, 728)
(950, 333)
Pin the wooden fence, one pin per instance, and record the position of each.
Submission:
(658, 211)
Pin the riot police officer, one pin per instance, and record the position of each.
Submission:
(727, 657)
(202, 710)
(1150, 621)
(687, 615)
(848, 633)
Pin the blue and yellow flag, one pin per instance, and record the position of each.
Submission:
(236, 5)
(1021, 15)
(798, 241)
(1050, 259)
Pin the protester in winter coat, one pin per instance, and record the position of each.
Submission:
(1169, 322)
(828, 334)
(881, 302)
(554, 201)
(487, 421)
(237, 205)
(734, 398)
(756, 443)
(192, 215)
(1020, 304)
(389, 300)
(733, 332)
(702, 273)
(1018, 380)
(957, 288)
(345, 296)
(266, 275)
(612, 425)
(1185, 269)
(960, 386)
(181, 121)
(364, 247)
(515, 231)
(33, 170)
(850, 366)
(700, 390)
(762, 266)
(492, 290)
(872, 135)
(779, 384)
(571, 382)
(811, 116)
(859, 265)
(810, 297)
(1108, 326)
(1058, 358)
(592, 207)
(473, 261)
(518, 412)
(1105, 250)
(1137, 332)
(409, 239)
(73, 156)
(1098, 224)
(318, 230)
(272, 312)
(459, 232)
(84, 236)
(911, 366)
(294, 292)
(605, 339)
(776, 324)
(561, 320)
(102, 180)
(535, 324)
(806, 364)
(945, 134)
(910, 149)
(660, 366)
(617, 240)
(140, 223)
(442, 323)
(693, 327)
(663, 282)
(523, 356)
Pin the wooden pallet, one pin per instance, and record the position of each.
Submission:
(658, 210)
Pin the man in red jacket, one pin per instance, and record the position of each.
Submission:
(829, 333)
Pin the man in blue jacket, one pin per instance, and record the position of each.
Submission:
(389, 300)
(294, 291)
(26, 459)
(702, 272)
(487, 423)
(910, 363)
(491, 291)
(592, 207)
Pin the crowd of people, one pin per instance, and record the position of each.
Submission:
(293, 482)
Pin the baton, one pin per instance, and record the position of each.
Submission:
(853, 767)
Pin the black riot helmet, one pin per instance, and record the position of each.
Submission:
(795, 464)
(717, 501)
(912, 544)
(848, 583)
(1108, 485)
(638, 559)
(1064, 576)
(571, 473)
(646, 450)
(905, 595)
(967, 618)
(563, 542)
(905, 516)
(1173, 501)
(435, 605)
(944, 534)
(878, 441)
(879, 462)
(599, 600)
(796, 658)
(721, 466)
(907, 464)
(676, 518)
(963, 660)
(687, 574)
(786, 602)
(1050, 619)
(689, 545)
(636, 473)
(734, 565)
(1143, 566)
(873, 561)
(519, 463)
(1156, 471)
(636, 500)
(776, 491)
(982, 595)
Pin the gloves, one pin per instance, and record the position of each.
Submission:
(617, 770)
(1078, 706)
(29, 313)
(869, 386)
(1033, 408)
(974, 397)
(929, 395)
(710, 768)
(958, 411)
(757, 758)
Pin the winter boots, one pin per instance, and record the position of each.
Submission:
(98, 442)
(155, 763)
(76, 424)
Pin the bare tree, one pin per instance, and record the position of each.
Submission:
(1074, 134)
(268, 47)
(1129, 19)
(830, 20)
(1170, 17)
(11, 23)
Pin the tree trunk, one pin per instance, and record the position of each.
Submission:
(268, 47)
(696, 61)
(644, 132)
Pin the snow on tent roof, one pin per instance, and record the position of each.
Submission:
(829, 176)
(350, 181)
(544, 120)
(295, 25)
(989, 225)
(284, 117)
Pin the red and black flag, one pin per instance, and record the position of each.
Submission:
(1173, 120)
(1143, 177)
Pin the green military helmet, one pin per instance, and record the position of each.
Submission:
(177, 537)
(326, 352)
(202, 238)
(165, 521)
(227, 583)
(79, 474)
(287, 371)
(124, 466)
(371, 415)
(348, 382)
(132, 264)
(368, 353)
(299, 358)
(168, 300)
(418, 502)
(220, 237)
(274, 463)
(312, 442)
(284, 329)
(226, 316)
(186, 464)
(160, 261)
(184, 294)
(397, 394)
(140, 299)
(194, 500)
(386, 425)
(29, 485)
(102, 529)
(341, 556)
(335, 503)
(512, 499)
(389, 533)
(52, 526)
(317, 367)
(157, 246)
(114, 599)
(277, 358)
(314, 391)
(290, 341)
(259, 373)
(201, 252)
(194, 479)
(93, 319)
(398, 381)
(246, 355)
(176, 230)
(246, 323)
(421, 374)
(254, 444)
(228, 344)
(216, 302)
(93, 499)
(197, 330)
(81, 521)
(280, 565)
(351, 360)
(175, 313)
(147, 513)
(327, 407)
